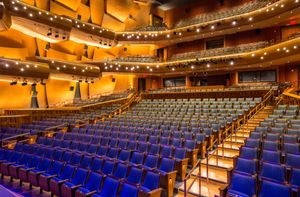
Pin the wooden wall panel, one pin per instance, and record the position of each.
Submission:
(84, 12)
(97, 11)
(112, 23)
(72, 4)
(289, 30)
(43, 4)
(60, 10)
(53, 54)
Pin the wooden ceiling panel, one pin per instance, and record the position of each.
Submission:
(65, 47)
(97, 8)
(72, 4)
(54, 54)
(41, 45)
(30, 2)
(42, 4)
(84, 12)
(60, 10)
(14, 53)
(112, 23)
(119, 9)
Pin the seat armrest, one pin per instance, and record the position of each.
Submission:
(223, 190)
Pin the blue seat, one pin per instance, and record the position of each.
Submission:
(290, 138)
(292, 161)
(76, 159)
(247, 166)
(45, 177)
(242, 185)
(57, 155)
(271, 145)
(23, 171)
(113, 153)
(124, 156)
(295, 179)
(252, 143)
(96, 164)
(67, 156)
(291, 148)
(154, 149)
(150, 183)
(136, 159)
(102, 151)
(108, 167)
(135, 175)
(13, 168)
(273, 137)
(121, 171)
(91, 186)
(33, 175)
(92, 149)
(269, 188)
(4, 166)
(86, 161)
(68, 188)
(248, 153)
(272, 172)
(256, 135)
(143, 147)
(109, 189)
(166, 151)
(151, 162)
(270, 157)
(129, 190)
(56, 182)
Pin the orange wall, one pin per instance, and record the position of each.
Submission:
(59, 91)
(289, 73)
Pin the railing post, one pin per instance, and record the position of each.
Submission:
(184, 187)
(207, 157)
(199, 178)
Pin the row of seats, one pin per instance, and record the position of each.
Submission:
(64, 179)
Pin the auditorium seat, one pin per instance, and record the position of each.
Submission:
(242, 185)
(247, 166)
(44, 178)
(272, 172)
(56, 182)
(110, 188)
(33, 175)
(150, 185)
(68, 188)
(91, 186)
(128, 190)
(269, 188)
(23, 171)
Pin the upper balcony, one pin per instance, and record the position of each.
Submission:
(50, 27)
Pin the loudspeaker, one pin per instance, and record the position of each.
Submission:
(71, 88)
(113, 80)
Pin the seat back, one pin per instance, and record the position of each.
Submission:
(151, 181)
(121, 171)
(80, 176)
(272, 172)
(269, 188)
(242, 184)
(56, 168)
(67, 172)
(108, 167)
(135, 175)
(167, 165)
(94, 181)
(110, 187)
(129, 190)
(248, 166)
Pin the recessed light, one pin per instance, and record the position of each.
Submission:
(6, 65)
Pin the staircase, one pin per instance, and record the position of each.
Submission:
(220, 161)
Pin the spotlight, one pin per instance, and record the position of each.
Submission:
(34, 84)
(24, 83)
(13, 83)
(80, 80)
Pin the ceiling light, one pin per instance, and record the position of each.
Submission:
(25, 8)
(233, 22)
(287, 50)
(126, 68)
(157, 66)
(110, 66)
(57, 68)
(207, 65)
(51, 19)
(212, 27)
(6, 65)
(137, 66)
(151, 70)
(22, 69)
(173, 69)
(117, 68)
(253, 55)
(278, 49)
(31, 15)
(295, 47)
(265, 53)
(231, 63)
(35, 66)
(16, 8)
(105, 68)
(40, 13)
(17, 63)
(192, 67)
(168, 36)
(64, 66)
(198, 30)
(74, 67)
(250, 19)
(27, 66)
(83, 70)
(262, 57)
